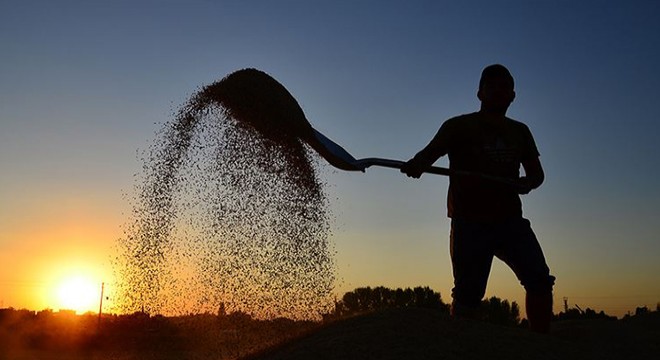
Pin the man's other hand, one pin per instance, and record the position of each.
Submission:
(524, 186)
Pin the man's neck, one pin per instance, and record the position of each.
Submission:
(491, 115)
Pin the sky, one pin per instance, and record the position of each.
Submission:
(84, 86)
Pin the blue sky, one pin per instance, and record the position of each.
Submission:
(84, 86)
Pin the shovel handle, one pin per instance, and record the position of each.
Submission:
(398, 164)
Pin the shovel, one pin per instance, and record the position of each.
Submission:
(256, 99)
(340, 158)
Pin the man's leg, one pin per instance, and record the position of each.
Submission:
(519, 248)
(539, 310)
(471, 257)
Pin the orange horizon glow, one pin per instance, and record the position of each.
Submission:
(78, 293)
(59, 262)
(55, 279)
(40, 257)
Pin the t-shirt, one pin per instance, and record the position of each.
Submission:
(476, 145)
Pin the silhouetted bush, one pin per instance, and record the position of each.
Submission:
(588, 314)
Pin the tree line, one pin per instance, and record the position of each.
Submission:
(367, 299)
(494, 310)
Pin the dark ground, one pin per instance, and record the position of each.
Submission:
(410, 333)
(427, 334)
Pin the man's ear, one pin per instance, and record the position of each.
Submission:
(513, 96)
(479, 95)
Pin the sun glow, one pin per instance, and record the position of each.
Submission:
(79, 293)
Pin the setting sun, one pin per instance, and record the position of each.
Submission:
(78, 293)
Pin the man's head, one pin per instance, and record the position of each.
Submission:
(496, 89)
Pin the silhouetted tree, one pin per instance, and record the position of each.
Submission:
(643, 310)
(402, 297)
(501, 312)
(367, 299)
(427, 298)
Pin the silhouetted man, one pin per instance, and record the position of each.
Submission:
(486, 216)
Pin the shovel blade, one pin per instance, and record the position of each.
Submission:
(333, 153)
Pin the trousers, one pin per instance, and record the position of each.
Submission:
(473, 246)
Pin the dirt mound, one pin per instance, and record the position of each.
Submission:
(427, 334)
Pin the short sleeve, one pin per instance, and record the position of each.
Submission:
(530, 150)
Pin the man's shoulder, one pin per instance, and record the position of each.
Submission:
(515, 122)
(463, 118)
(460, 121)
(519, 126)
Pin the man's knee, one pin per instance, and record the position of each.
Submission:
(541, 285)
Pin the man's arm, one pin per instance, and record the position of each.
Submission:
(437, 147)
(416, 166)
(534, 175)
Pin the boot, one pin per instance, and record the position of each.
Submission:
(539, 311)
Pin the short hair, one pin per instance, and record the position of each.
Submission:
(495, 71)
